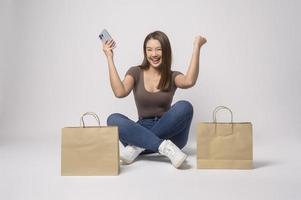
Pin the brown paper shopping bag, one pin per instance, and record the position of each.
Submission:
(90, 150)
(224, 145)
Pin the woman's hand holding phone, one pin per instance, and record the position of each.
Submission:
(108, 47)
(108, 43)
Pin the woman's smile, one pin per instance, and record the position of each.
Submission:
(155, 61)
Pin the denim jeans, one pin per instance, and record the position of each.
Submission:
(149, 133)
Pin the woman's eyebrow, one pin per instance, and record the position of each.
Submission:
(154, 47)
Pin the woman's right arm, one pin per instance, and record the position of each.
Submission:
(120, 88)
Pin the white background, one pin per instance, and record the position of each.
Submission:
(53, 70)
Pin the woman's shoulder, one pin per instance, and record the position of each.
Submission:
(175, 73)
(173, 77)
(134, 71)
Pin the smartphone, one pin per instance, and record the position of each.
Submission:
(105, 36)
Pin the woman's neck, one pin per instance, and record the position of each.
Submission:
(153, 71)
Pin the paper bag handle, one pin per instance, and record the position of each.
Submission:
(89, 113)
(218, 108)
(214, 117)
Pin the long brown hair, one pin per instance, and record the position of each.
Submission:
(165, 66)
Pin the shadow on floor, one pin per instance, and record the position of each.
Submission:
(160, 158)
(261, 164)
(190, 151)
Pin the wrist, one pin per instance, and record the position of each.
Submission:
(110, 57)
(196, 48)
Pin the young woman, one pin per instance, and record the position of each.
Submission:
(161, 127)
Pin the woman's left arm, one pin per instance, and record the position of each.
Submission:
(189, 79)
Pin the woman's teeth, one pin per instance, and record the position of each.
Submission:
(155, 60)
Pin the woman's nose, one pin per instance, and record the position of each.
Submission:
(154, 53)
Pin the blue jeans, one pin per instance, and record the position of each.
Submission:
(149, 133)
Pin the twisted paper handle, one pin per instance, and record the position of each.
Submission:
(221, 108)
(89, 113)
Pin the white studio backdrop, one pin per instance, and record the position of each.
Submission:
(53, 68)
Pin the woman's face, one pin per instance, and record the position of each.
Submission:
(154, 52)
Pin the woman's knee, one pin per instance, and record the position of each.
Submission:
(114, 119)
(185, 107)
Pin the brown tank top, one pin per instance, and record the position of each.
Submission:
(151, 104)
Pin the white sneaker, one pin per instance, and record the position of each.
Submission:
(169, 149)
(130, 153)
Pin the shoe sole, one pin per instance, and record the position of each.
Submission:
(126, 161)
(123, 162)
